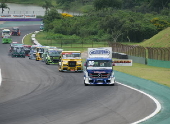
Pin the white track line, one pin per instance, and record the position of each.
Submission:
(24, 37)
(144, 119)
(158, 105)
(0, 77)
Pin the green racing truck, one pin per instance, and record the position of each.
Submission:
(52, 56)
(6, 39)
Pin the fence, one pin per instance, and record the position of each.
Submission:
(159, 53)
(145, 52)
(76, 43)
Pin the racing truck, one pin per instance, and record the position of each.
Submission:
(17, 51)
(44, 55)
(6, 32)
(6, 39)
(15, 31)
(99, 67)
(27, 49)
(41, 26)
(39, 52)
(52, 56)
(70, 61)
(32, 53)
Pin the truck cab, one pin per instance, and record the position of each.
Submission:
(52, 56)
(6, 39)
(39, 53)
(16, 31)
(99, 67)
(6, 32)
(32, 53)
(70, 61)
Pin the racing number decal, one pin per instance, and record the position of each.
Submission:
(91, 63)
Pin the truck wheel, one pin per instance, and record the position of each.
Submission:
(85, 84)
(46, 63)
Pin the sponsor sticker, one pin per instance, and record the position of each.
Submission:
(122, 62)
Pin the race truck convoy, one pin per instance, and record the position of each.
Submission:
(99, 67)
(70, 61)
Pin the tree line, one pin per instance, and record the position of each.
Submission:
(114, 20)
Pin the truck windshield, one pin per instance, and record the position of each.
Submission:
(40, 50)
(99, 63)
(6, 32)
(54, 53)
(72, 55)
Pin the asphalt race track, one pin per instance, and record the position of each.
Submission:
(35, 93)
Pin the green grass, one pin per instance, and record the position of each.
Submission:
(41, 36)
(157, 74)
(27, 39)
(162, 39)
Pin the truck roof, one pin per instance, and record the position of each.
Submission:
(71, 51)
(5, 30)
(100, 58)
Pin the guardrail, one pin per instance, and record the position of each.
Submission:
(34, 41)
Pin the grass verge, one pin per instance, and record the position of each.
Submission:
(27, 39)
(156, 74)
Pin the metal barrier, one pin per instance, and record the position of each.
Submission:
(159, 53)
(132, 50)
(139, 51)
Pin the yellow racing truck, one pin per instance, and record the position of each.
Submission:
(39, 52)
(70, 61)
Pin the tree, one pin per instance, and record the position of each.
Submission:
(3, 5)
(101, 4)
(49, 17)
(47, 4)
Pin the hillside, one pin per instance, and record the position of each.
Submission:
(162, 39)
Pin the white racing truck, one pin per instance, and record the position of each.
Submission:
(99, 67)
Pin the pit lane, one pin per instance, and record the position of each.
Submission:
(35, 93)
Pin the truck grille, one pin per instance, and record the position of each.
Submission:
(99, 75)
(54, 59)
(72, 63)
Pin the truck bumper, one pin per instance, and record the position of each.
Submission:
(110, 81)
(72, 69)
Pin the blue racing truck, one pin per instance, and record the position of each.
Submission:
(99, 67)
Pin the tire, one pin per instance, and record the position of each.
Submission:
(46, 63)
(85, 84)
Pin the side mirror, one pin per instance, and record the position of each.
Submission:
(84, 64)
(59, 63)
